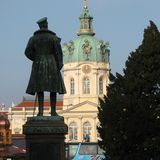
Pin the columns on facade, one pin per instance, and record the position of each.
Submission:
(80, 130)
(79, 90)
(94, 129)
(95, 80)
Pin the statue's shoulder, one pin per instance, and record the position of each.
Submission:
(42, 31)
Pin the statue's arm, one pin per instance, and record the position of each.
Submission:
(59, 54)
(29, 51)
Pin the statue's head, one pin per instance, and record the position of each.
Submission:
(42, 23)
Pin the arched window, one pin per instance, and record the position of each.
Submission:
(72, 86)
(87, 131)
(72, 131)
(100, 85)
(86, 85)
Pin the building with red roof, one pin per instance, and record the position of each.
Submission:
(28, 108)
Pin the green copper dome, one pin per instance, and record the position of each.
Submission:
(86, 47)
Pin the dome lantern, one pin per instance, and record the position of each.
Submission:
(85, 21)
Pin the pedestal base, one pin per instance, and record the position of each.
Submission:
(45, 138)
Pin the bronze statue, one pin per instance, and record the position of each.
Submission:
(45, 51)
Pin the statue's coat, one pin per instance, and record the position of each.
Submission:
(45, 51)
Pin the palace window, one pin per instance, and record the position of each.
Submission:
(100, 85)
(87, 131)
(86, 85)
(72, 86)
(72, 131)
(85, 24)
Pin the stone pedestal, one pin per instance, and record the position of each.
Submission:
(45, 138)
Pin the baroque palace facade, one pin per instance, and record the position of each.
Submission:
(86, 71)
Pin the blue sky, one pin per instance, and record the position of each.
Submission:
(121, 22)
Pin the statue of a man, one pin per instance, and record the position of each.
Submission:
(45, 51)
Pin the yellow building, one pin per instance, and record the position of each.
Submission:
(86, 71)
(86, 68)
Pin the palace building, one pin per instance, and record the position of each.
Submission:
(85, 71)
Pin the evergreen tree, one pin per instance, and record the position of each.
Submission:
(130, 114)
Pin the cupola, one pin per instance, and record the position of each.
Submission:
(86, 47)
(85, 21)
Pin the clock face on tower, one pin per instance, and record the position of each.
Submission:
(86, 69)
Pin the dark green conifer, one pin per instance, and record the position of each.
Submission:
(130, 114)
